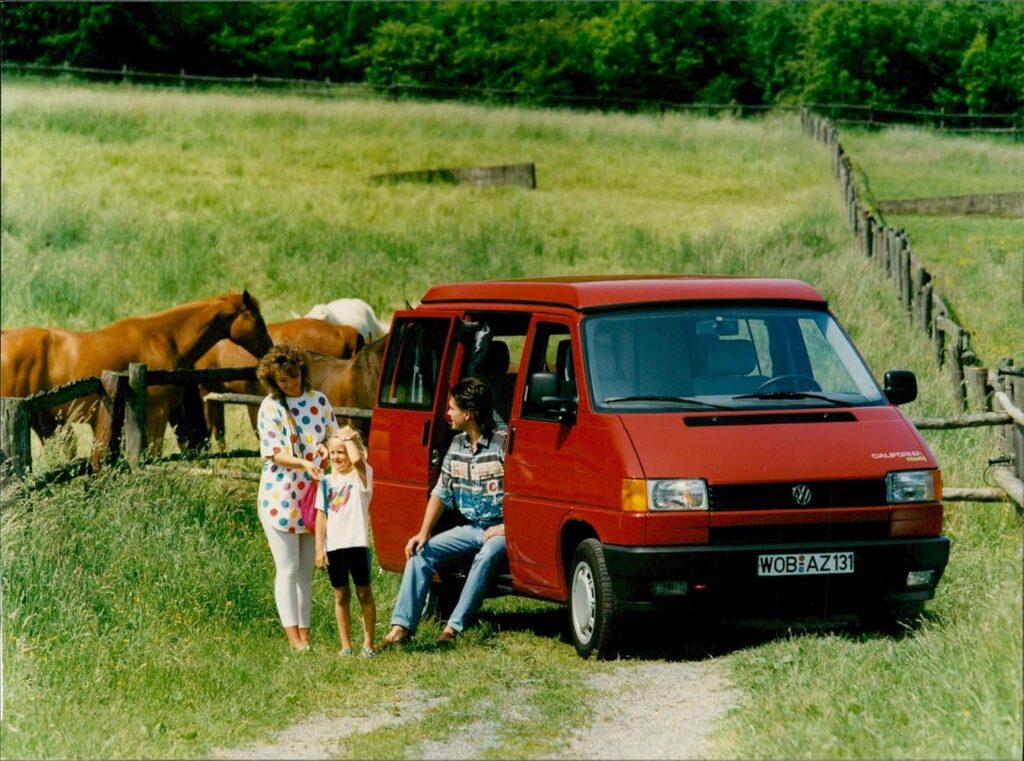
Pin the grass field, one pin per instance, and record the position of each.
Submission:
(138, 618)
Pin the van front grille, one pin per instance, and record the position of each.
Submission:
(814, 532)
(797, 494)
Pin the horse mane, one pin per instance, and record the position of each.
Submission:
(233, 302)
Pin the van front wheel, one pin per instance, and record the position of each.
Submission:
(593, 609)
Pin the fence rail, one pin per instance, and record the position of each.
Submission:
(1010, 124)
(121, 412)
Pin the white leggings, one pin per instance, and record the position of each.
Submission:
(293, 582)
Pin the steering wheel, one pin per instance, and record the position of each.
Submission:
(808, 383)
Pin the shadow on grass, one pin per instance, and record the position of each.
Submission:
(689, 637)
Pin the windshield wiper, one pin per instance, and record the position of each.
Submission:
(651, 398)
(795, 395)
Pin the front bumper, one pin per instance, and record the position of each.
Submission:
(648, 578)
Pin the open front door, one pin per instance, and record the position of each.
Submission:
(541, 458)
(408, 429)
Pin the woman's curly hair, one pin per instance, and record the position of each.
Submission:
(284, 356)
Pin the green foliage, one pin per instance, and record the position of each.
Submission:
(962, 55)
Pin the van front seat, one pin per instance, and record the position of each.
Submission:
(728, 367)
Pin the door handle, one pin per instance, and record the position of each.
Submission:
(426, 432)
(510, 440)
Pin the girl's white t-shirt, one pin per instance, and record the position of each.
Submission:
(347, 509)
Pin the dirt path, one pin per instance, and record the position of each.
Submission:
(654, 710)
(641, 710)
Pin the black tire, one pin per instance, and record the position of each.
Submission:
(594, 611)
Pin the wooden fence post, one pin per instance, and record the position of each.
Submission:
(956, 368)
(977, 389)
(15, 436)
(938, 333)
(1017, 431)
(925, 304)
(135, 414)
(908, 282)
(106, 445)
(868, 233)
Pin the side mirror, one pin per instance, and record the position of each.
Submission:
(543, 395)
(563, 409)
(900, 386)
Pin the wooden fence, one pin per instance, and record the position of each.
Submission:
(121, 422)
(523, 175)
(976, 388)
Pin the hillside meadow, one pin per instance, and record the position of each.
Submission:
(977, 261)
(138, 619)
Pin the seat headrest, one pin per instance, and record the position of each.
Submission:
(563, 361)
(496, 361)
(731, 357)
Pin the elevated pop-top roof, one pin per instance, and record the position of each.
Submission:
(592, 292)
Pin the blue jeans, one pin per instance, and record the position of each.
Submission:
(459, 543)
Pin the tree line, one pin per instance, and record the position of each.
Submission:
(964, 56)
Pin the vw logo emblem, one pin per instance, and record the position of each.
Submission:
(802, 494)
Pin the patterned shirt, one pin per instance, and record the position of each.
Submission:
(281, 488)
(474, 483)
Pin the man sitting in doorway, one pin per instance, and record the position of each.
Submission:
(471, 481)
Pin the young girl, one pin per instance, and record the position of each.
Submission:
(342, 534)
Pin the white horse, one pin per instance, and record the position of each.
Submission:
(353, 312)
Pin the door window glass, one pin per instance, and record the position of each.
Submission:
(413, 363)
(550, 371)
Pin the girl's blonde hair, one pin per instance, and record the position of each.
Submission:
(346, 433)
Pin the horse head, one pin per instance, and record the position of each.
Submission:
(248, 329)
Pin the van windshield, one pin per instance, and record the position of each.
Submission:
(732, 357)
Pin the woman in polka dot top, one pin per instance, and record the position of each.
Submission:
(293, 425)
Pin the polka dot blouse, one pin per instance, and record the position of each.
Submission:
(281, 488)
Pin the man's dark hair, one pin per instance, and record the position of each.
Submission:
(474, 396)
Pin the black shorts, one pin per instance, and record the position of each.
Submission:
(349, 560)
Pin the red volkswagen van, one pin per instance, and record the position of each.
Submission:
(672, 441)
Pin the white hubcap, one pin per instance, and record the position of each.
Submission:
(584, 603)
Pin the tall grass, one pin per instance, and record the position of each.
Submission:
(137, 611)
(138, 622)
(204, 192)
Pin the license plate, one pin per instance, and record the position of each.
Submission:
(805, 564)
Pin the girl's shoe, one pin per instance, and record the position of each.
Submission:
(345, 652)
(368, 652)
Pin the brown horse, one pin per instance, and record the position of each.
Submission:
(340, 341)
(39, 359)
(350, 382)
(345, 382)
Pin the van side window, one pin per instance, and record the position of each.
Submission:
(412, 364)
(550, 371)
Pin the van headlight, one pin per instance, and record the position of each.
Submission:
(677, 494)
(662, 495)
(910, 486)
